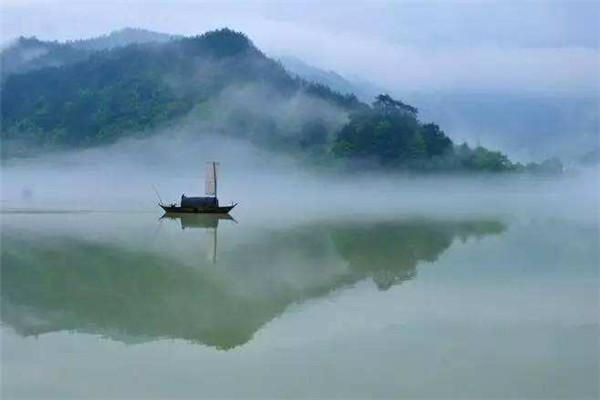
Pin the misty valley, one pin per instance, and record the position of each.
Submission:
(74, 95)
(356, 249)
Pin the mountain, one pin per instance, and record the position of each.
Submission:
(525, 126)
(122, 37)
(365, 91)
(135, 83)
(28, 54)
(220, 76)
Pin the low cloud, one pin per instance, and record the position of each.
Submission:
(565, 71)
(531, 48)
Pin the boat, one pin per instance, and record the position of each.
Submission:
(201, 205)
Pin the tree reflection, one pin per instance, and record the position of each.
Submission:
(58, 283)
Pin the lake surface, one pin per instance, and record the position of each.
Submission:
(343, 305)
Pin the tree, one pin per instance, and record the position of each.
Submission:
(387, 105)
(390, 134)
(436, 142)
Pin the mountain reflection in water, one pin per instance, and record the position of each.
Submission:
(65, 282)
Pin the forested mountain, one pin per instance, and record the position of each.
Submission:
(526, 126)
(28, 54)
(365, 91)
(136, 88)
(135, 83)
(388, 134)
(122, 37)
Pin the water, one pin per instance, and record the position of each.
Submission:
(336, 305)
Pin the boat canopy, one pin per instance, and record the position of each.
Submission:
(199, 202)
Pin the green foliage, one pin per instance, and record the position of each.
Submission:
(135, 89)
(73, 95)
(386, 104)
(389, 134)
(90, 102)
(481, 159)
(549, 166)
(436, 142)
(29, 54)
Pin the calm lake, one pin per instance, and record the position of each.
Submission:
(343, 304)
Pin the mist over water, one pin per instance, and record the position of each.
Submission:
(468, 286)
(120, 178)
(333, 277)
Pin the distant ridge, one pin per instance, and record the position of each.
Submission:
(29, 53)
(122, 37)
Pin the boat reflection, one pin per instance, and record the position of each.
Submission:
(208, 222)
(191, 221)
(132, 292)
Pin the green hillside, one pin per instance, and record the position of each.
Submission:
(136, 83)
(137, 88)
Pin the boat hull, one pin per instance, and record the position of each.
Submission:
(197, 210)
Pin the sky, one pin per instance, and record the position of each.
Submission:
(547, 48)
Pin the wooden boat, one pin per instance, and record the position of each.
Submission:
(172, 208)
(201, 205)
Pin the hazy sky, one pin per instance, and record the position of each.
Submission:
(549, 48)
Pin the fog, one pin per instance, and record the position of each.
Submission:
(534, 47)
(288, 114)
(276, 186)
(542, 50)
(328, 280)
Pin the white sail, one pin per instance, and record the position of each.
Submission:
(211, 178)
